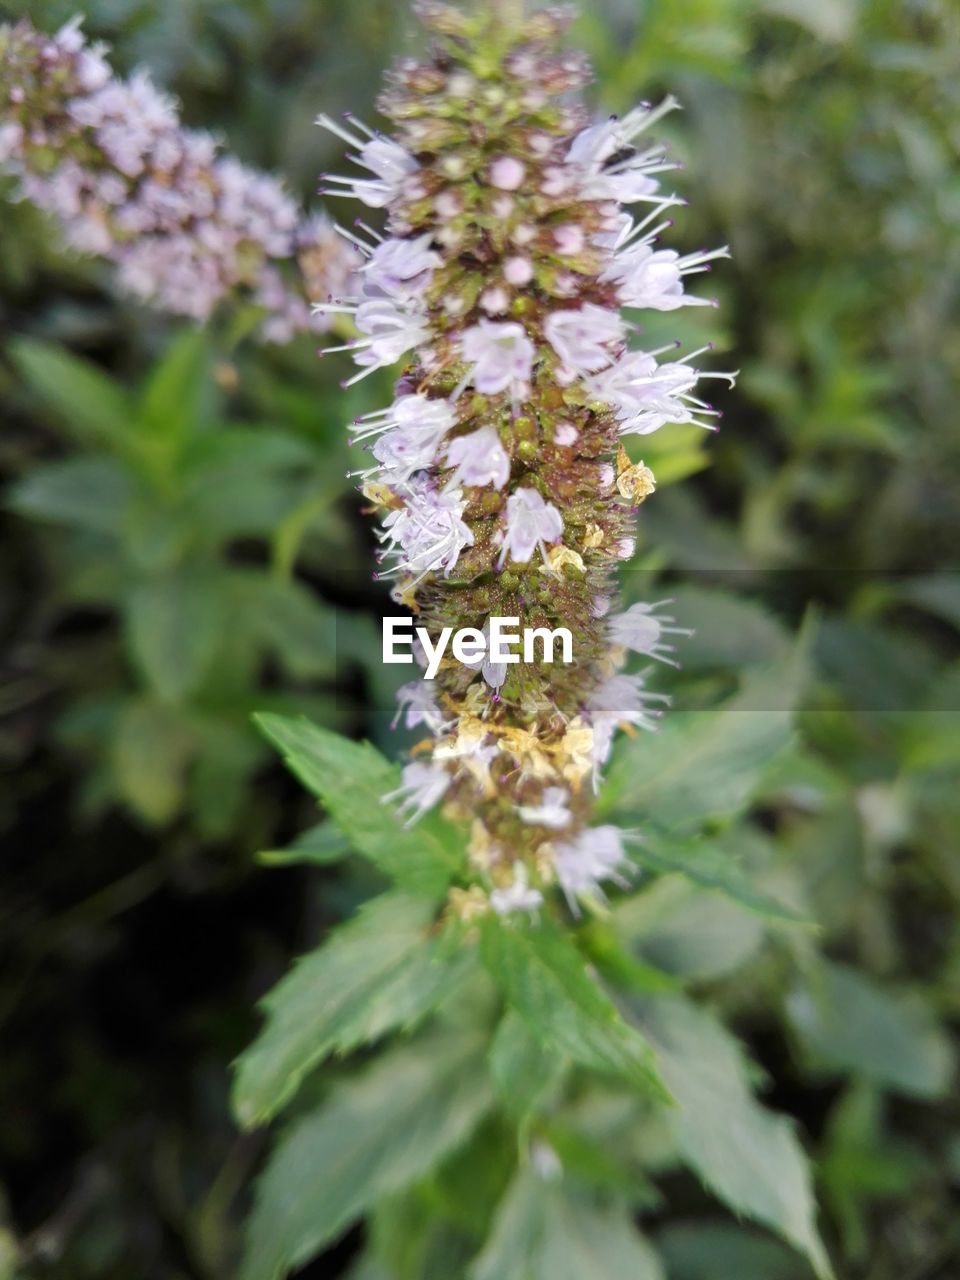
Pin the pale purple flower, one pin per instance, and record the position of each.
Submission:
(611, 167)
(501, 355)
(619, 700)
(421, 787)
(653, 278)
(641, 629)
(531, 523)
(569, 239)
(403, 451)
(594, 855)
(518, 271)
(479, 458)
(495, 300)
(646, 396)
(389, 331)
(415, 414)
(387, 160)
(428, 533)
(417, 703)
(518, 896)
(401, 266)
(184, 226)
(582, 338)
(507, 173)
(553, 810)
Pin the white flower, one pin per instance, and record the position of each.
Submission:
(642, 630)
(403, 451)
(416, 413)
(646, 395)
(418, 705)
(595, 854)
(421, 787)
(619, 700)
(428, 530)
(401, 266)
(389, 330)
(531, 522)
(611, 166)
(479, 458)
(501, 355)
(518, 897)
(552, 811)
(582, 338)
(653, 278)
(391, 163)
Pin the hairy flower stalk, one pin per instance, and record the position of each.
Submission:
(184, 225)
(516, 232)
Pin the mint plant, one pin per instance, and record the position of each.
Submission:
(524, 853)
(139, 527)
(505, 490)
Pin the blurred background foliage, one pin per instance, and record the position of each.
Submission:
(180, 547)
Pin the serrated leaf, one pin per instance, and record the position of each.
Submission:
(711, 867)
(747, 1155)
(541, 1233)
(848, 1022)
(523, 1070)
(173, 624)
(351, 778)
(89, 493)
(703, 766)
(377, 972)
(90, 404)
(372, 1137)
(545, 979)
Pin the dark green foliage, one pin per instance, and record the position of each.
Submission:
(182, 549)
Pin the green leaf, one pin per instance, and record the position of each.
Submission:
(524, 1071)
(230, 450)
(544, 978)
(373, 1136)
(173, 625)
(728, 630)
(703, 766)
(747, 1155)
(91, 404)
(690, 932)
(848, 1022)
(351, 778)
(377, 972)
(715, 1250)
(541, 1233)
(293, 623)
(172, 398)
(319, 845)
(938, 593)
(90, 493)
(151, 750)
(711, 867)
